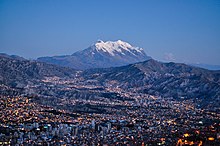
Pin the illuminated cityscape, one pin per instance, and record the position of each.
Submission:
(109, 73)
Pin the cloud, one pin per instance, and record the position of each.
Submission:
(169, 57)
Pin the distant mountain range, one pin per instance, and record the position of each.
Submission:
(206, 66)
(100, 55)
(11, 56)
(106, 54)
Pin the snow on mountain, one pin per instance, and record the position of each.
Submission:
(118, 46)
(101, 55)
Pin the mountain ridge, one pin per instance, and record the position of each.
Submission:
(16, 72)
(161, 79)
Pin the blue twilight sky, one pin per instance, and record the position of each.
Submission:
(175, 30)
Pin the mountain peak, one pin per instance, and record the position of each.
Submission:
(117, 47)
(120, 42)
(99, 41)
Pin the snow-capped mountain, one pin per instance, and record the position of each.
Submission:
(101, 55)
(117, 48)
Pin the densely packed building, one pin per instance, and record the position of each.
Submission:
(150, 121)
